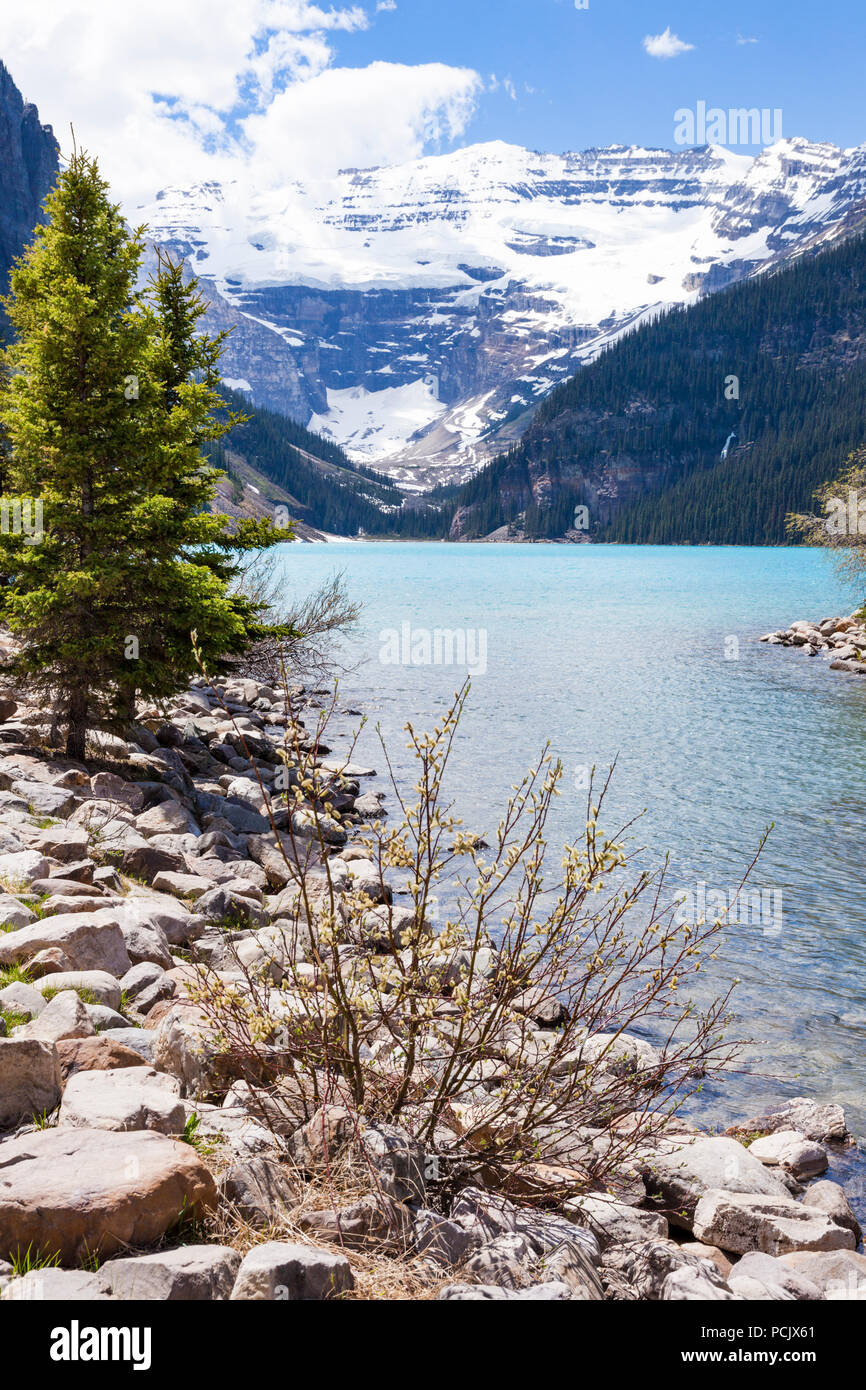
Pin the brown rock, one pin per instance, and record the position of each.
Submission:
(29, 1080)
(158, 1012)
(51, 961)
(82, 1192)
(94, 1054)
(709, 1252)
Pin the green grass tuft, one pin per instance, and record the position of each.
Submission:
(13, 1019)
(25, 1262)
(14, 975)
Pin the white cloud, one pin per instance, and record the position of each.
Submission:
(349, 117)
(666, 45)
(740, 39)
(386, 6)
(178, 93)
(510, 88)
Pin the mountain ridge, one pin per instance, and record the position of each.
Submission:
(419, 313)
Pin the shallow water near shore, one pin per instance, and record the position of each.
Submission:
(650, 655)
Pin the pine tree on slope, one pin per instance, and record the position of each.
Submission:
(109, 397)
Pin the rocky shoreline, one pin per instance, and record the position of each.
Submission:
(843, 640)
(128, 1172)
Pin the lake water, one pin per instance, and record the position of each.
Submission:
(649, 654)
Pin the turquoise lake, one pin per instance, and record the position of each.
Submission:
(650, 655)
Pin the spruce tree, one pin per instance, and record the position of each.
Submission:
(110, 395)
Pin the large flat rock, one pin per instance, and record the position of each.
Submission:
(131, 1098)
(89, 941)
(80, 1192)
(740, 1222)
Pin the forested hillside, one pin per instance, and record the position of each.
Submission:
(638, 436)
(333, 493)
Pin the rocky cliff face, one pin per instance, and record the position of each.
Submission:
(419, 314)
(28, 167)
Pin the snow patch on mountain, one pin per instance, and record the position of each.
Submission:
(376, 425)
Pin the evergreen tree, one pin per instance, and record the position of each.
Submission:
(109, 397)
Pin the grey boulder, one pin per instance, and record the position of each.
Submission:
(676, 1182)
(285, 1272)
(193, 1273)
(741, 1222)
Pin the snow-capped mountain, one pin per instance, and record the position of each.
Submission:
(418, 313)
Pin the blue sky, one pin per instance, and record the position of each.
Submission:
(265, 92)
(593, 84)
